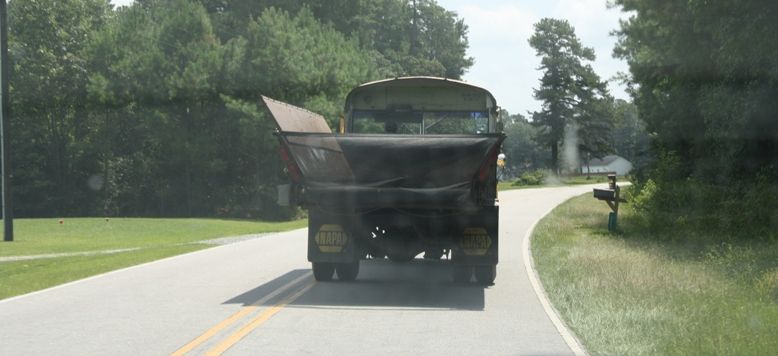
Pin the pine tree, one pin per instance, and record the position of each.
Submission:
(570, 91)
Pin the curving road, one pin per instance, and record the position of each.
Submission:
(258, 296)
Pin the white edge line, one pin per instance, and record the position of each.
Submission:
(553, 314)
(142, 265)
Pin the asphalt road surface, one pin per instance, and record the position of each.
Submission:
(259, 297)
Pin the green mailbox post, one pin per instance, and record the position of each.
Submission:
(612, 197)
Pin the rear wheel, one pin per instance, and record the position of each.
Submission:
(462, 274)
(347, 271)
(485, 275)
(323, 271)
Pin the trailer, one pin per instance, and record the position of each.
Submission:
(410, 173)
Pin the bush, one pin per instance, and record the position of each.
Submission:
(641, 197)
(746, 209)
(536, 177)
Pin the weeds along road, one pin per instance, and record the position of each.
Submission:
(259, 296)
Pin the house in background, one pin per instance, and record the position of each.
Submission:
(608, 164)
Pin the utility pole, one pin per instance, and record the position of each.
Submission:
(8, 217)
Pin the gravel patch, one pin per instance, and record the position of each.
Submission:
(234, 239)
(69, 254)
(217, 242)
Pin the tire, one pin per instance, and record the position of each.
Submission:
(485, 275)
(323, 271)
(462, 274)
(347, 272)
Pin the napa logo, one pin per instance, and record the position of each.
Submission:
(331, 238)
(475, 241)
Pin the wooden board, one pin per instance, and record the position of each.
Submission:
(290, 118)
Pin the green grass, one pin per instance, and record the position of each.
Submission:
(153, 239)
(510, 186)
(626, 293)
(28, 276)
(42, 236)
(575, 180)
(556, 182)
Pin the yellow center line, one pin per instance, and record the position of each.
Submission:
(235, 317)
(211, 332)
(256, 322)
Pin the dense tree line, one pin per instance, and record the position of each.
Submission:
(629, 138)
(153, 109)
(624, 135)
(705, 82)
(521, 148)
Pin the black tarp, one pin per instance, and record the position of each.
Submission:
(382, 171)
(390, 170)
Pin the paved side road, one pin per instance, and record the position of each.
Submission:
(258, 296)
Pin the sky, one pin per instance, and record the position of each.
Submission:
(506, 65)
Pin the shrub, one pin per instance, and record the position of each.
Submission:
(746, 209)
(536, 177)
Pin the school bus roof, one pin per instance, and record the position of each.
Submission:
(418, 91)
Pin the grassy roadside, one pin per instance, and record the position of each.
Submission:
(627, 293)
(144, 239)
(555, 182)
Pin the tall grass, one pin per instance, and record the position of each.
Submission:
(665, 291)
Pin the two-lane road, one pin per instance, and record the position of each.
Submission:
(258, 296)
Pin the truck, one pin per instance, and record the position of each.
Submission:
(409, 173)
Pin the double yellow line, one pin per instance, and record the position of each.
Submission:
(254, 323)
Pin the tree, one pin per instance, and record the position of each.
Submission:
(52, 132)
(593, 118)
(522, 151)
(162, 74)
(572, 94)
(153, 109)
(704, 83)
(630, 139)
(441, 37)
(296, 59)
(412, 37)
(185, 132)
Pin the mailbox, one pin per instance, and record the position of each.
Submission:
(612, 198)
(605, 194)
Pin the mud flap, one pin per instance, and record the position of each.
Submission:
(330, 239)
(477, 242)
